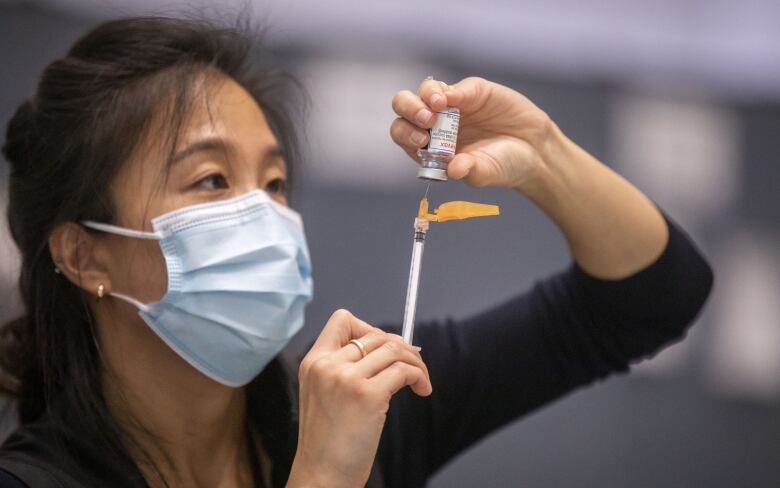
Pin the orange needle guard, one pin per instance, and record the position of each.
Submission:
(457, 210)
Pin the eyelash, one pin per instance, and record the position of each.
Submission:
(277, 185)
(200, 184)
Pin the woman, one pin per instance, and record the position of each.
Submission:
(162, 272)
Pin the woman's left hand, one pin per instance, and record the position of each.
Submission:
(502, 138)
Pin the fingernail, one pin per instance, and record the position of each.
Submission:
(417, 348)
(418, 138)
(423, 116)
(435, 98)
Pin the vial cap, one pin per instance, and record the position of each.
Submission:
(436, 174)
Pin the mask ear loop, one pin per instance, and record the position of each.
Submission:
(114, 229)
(139, 234)
(132, 301)
(93, 328)
(94, 339)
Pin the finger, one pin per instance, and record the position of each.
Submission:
(338, 331)
(400, 374)
(410, 107)
(407, 135)
(389, 352)
(432, 93)
(350, 353)
(371, 342)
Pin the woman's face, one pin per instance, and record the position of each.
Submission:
(225, 149)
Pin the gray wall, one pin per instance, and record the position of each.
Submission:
(642, 431)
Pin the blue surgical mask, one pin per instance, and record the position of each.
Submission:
(239, 278)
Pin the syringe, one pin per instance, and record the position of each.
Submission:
(420, 231)
(457, 210)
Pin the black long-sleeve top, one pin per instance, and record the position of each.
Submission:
(567, 331)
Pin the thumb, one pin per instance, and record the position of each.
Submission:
(460, 166)
(467, 167)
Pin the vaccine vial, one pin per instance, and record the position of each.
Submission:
(440, 149)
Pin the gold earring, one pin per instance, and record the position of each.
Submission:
(100, 291)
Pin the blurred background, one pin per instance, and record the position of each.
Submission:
(680, 96)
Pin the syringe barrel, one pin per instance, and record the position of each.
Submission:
(420, 231)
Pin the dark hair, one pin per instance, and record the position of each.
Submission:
(91, 110)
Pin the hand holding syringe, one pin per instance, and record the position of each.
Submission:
(457, 210)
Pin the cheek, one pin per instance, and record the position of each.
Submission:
(280, 199)
(141, 271)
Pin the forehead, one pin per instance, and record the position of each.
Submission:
(221, 107)
(217, 108)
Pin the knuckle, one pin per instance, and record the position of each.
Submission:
(478, 183)
(541, 121)
(303, 368)
(392, 347)
(319, 368)
(375, 336)
(476, 85)
(400, 343)
(397, 129)
(377, 332)
(474, 80)
(362, 392)
(396, 101)
(340, 315)
(400, 368)
(429, 87)
(395, 338)
(400, 100)
(346, 377)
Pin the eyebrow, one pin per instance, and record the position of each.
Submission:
(218, 144)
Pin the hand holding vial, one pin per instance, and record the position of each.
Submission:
(502, 139)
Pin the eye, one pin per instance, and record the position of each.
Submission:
(277, 185)
(214, 181)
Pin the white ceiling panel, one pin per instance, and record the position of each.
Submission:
(725, 47)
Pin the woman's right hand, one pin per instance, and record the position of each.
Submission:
(344, 399)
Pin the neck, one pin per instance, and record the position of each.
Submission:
(183, 427)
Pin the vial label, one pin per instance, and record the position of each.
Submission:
(444, 133)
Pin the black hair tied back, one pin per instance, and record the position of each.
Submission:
(91, 110)
(20, 134)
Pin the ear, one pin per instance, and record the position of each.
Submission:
(80, 257)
